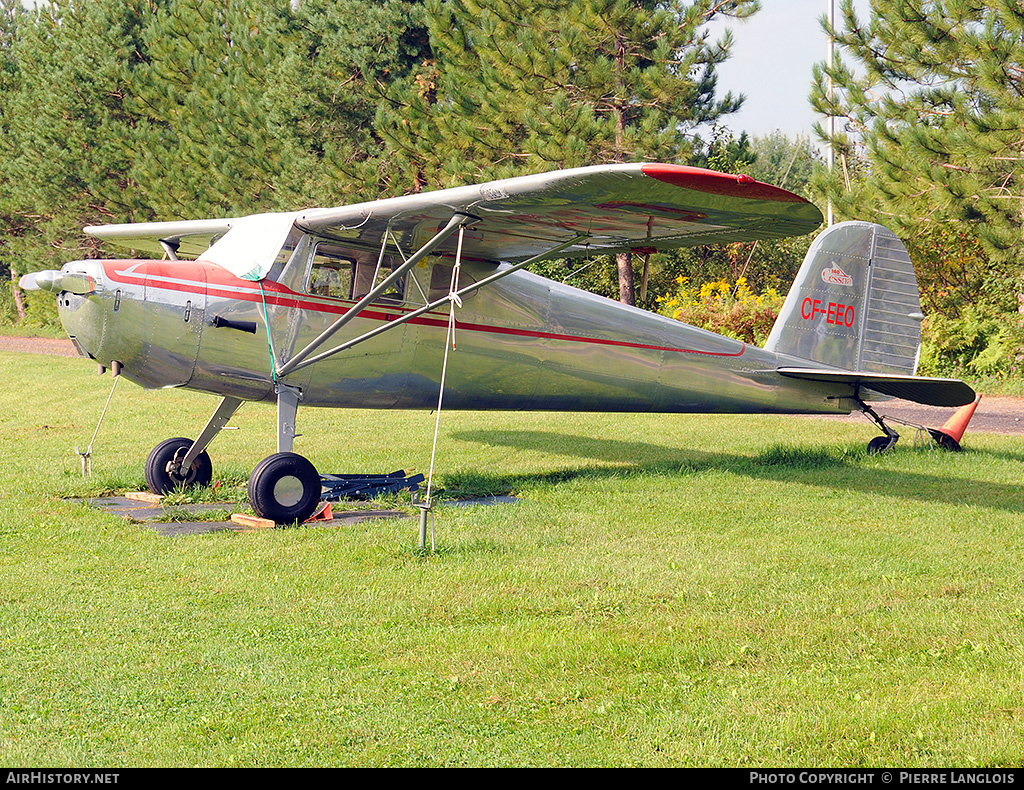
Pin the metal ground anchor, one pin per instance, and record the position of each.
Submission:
(86, 464)
(425, 509)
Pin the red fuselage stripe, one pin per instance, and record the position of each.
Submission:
(281, 296)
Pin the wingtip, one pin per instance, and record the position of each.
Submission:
(714, 182)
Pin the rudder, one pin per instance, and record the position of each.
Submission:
(854, 304)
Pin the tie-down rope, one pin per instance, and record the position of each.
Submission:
(87, 455)
(449, 344)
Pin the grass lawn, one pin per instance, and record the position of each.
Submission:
(670, 590)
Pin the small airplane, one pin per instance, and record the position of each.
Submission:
(351, 307)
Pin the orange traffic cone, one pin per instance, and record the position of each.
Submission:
(950, 434)
(323, 513)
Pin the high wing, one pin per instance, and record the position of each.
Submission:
(614, 208)
(929, 391)
(606, 208)
(189, 238)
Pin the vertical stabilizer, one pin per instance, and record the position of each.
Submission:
(854, 304)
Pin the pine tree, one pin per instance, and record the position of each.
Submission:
(212, 140)
(933, 92)
(135, 110)
(518, 87)
(11, 12)
(930, 93)
(347, 52)
(65, 130)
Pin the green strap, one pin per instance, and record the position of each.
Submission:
(270, 346)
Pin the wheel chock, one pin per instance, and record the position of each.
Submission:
(252, 522)
(950, 434)
(144, 496)
(323, 513)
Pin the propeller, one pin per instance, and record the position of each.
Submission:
(57, 281)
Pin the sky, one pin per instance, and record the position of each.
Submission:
(773, 54)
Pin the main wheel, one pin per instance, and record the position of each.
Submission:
(160, 476)
(285, 488)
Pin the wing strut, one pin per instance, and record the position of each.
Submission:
(170, 248)
(298, 365)
(453, 224)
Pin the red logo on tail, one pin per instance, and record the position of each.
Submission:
(836, 276)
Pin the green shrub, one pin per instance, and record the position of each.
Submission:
(734, 311)
(973, 344)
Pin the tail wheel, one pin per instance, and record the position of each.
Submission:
(285, 488)
(163, 472)
(881, 444)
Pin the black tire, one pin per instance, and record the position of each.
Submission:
(285, 488)
(881, 444)
(158, 475)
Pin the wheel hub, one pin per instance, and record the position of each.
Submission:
(288, 491)
(174, 470)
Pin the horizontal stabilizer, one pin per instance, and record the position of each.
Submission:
(929, 391)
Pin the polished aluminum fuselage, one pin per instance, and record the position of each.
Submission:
(521, 343)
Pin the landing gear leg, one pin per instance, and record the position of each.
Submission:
(183, 462)
(287, 407)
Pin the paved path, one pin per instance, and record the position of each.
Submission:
(994, 415)
(55, 347)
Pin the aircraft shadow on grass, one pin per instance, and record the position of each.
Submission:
(824, 467)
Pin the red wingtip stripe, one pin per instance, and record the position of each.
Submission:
(715, 183)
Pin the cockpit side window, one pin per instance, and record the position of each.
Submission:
(331, 273)
(341, 273)
(290, 243)
(369, 275)
(286, 254)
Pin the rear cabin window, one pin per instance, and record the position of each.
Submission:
(342, 274)
(441, 282)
